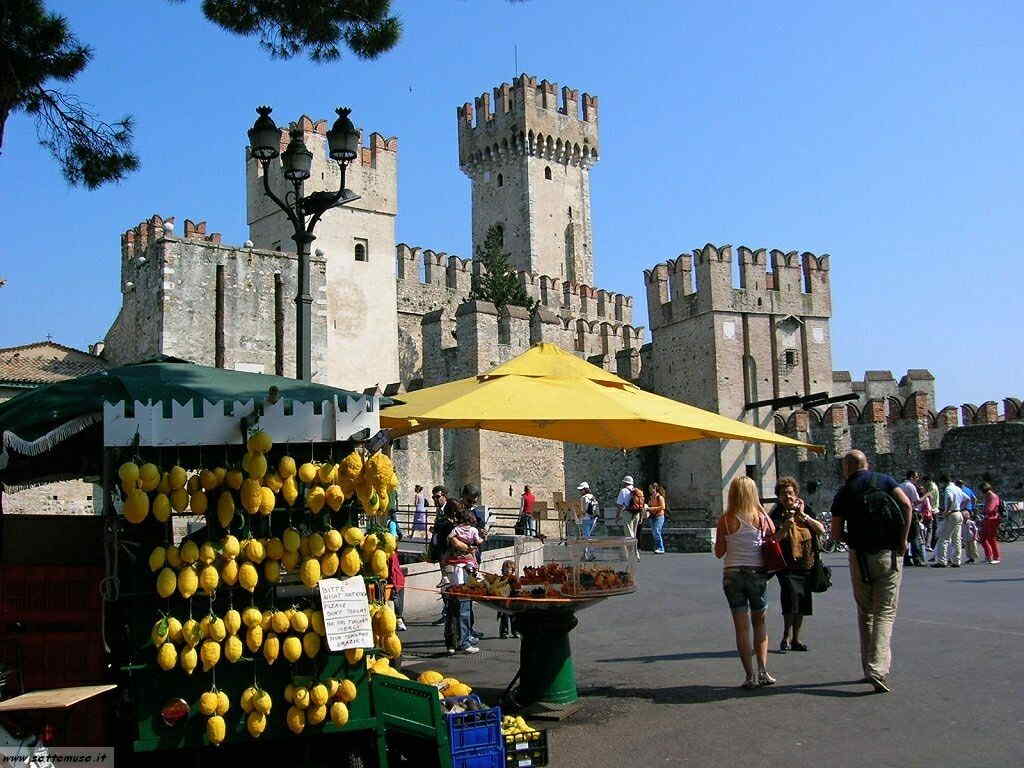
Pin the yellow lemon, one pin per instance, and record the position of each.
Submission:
(225, 508)
(286, 467)
(296, 720)
(315, 498)
(179, 499)
(161, 507)
(254, 638)
(267, 501)
(289, 491)
(310, 572)
(216, 729)
(232, 648)
(177, 478)
(259, 442)
(255, 724)
(189, 552)
(188, 582)
(136, 506)
(292, 648)
(166, 657)
(347, 690)
(316, 715)
(311, 644)
(187, 659)
(339, 713)
(271, 648)
(157, 559)
(208, 703)
(291, 540)
(229, 572)
(129, 475)
(233, 479)
(271, 571)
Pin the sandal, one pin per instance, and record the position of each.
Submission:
(797, 646)
(763, 678)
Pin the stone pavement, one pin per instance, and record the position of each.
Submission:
(660, 676)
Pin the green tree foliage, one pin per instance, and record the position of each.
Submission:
(499, 284)
(38, 54)
(287, 28)
(38, 51)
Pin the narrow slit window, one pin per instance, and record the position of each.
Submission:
(360, 251)
(547, 172)
(501, 180)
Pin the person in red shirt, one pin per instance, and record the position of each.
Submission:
(397, 579)
(527, 521)
(990, 524)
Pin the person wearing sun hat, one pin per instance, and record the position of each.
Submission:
(589, 510)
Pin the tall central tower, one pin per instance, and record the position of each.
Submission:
(529, 159)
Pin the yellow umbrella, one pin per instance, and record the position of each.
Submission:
(550, 393)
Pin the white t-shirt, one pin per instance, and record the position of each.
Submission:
(625, 495)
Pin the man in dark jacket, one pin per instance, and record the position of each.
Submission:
(875, 569)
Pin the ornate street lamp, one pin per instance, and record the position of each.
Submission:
(304, 213)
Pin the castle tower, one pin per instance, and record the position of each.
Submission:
(720, 347)
(529, 159)
(358, 243)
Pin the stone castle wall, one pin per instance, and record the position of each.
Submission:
(973, 443)
(195, 298)
(355, 241)
(529, 159)
(718, 345)
(597, 323)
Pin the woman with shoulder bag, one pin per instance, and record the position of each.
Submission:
(742, 534)
(797, 533)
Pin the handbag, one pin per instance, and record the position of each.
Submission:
(771, 555)
(819, 578)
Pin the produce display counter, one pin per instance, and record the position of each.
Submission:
(544, 603)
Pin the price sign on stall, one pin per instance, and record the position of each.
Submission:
(346, 613)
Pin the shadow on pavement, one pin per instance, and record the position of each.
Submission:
(700, 694)
(671, 657)
(982, 581)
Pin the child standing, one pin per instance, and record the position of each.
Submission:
(507, 624)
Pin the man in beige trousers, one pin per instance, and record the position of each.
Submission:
(873, 516)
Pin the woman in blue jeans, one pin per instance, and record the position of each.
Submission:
(742, 531)
(656, 510)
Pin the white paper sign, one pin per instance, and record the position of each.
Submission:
(346, 613)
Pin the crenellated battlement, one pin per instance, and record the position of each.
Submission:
(136, 240)
(368, 152)
(529, 119)
(894, 432)
(427, 267)
(373, 176)
(757, 281)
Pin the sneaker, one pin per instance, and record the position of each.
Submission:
(470, 650)
(798, 646)
(881, 685)
(437, 622)
(995, 562)
(514, 635)
(763, 678)
(969, 562)
(400, 626)
(451, 651)
(784, 646)
(503, 636)
(955, 565)
(659, 551)
(939, 565)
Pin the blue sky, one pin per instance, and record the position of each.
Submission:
(886, 134)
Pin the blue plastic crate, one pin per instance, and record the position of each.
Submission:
(488, 757)
(476, 730)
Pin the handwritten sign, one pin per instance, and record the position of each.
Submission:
(346, 613)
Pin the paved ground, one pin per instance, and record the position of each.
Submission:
(659, 673)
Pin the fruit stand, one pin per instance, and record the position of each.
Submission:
(225, 522)
(544, 602)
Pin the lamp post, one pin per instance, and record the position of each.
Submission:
(304, 213)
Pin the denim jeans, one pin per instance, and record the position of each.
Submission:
(657, 523)
(458, 626)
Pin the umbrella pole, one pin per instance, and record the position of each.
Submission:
(547, 683)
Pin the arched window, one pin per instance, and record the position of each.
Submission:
(547, 172)
(360, 252)
(501, 180)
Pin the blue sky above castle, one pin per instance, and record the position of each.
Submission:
(887, 137)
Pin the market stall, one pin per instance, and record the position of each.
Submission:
(550, 393)
(247, 565)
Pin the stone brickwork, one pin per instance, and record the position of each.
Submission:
(719, 347)
(529, 158)
(200, 300)
(68, 497)
(903, 434)
(357, 243)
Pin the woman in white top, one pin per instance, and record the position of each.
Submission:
(742, 531)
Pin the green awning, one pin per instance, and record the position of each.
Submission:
(62, 420)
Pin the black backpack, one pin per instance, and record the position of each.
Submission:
(878, 527)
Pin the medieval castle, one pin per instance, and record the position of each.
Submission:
(394, 316)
